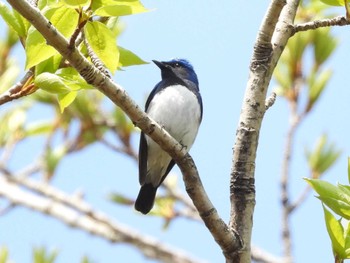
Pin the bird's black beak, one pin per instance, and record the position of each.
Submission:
(159, 64)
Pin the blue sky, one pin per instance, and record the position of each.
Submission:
(218, 38)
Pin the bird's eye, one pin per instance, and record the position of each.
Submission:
(177, 65)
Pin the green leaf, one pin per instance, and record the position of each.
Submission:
(76, 3)
(324, 45)
(317, 84)
(65, 83)
(66, 99)
(327, 190)
(117, 8)
(36, 48)
(64, 19)
(322, 157)
(103, 43)
(334, 2)
(344, 188)
(296, 47)
(23, 23)
(49, 65)
(336, 198)
(51, 83)
(288, 68)
(128, 58)
(11, 19)
(336, 233)
(339, 207)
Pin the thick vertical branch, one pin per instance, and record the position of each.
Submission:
(271, 40)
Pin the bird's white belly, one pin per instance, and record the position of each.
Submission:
(177, 110)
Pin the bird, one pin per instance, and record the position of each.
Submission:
(176, 105)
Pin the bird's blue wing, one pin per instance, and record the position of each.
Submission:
(143, 147)
(143, 155)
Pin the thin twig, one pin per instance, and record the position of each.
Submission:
(336, 21)
(295, 121)
(17, 91)
(286, 235)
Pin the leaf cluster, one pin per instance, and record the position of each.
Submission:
(87, 24)
(337, 199)
(322, 157)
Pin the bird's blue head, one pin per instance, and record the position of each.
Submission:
(177, 68)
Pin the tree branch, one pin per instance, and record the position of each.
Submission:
(17, 91)
(285, 198)
(273, 35)
(226, 238)
(76, 213)
(336, 21)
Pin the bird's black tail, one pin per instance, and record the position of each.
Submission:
(145, 199)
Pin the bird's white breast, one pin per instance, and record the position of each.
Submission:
(176, 109)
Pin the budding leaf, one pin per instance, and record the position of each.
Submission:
(51, 83)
